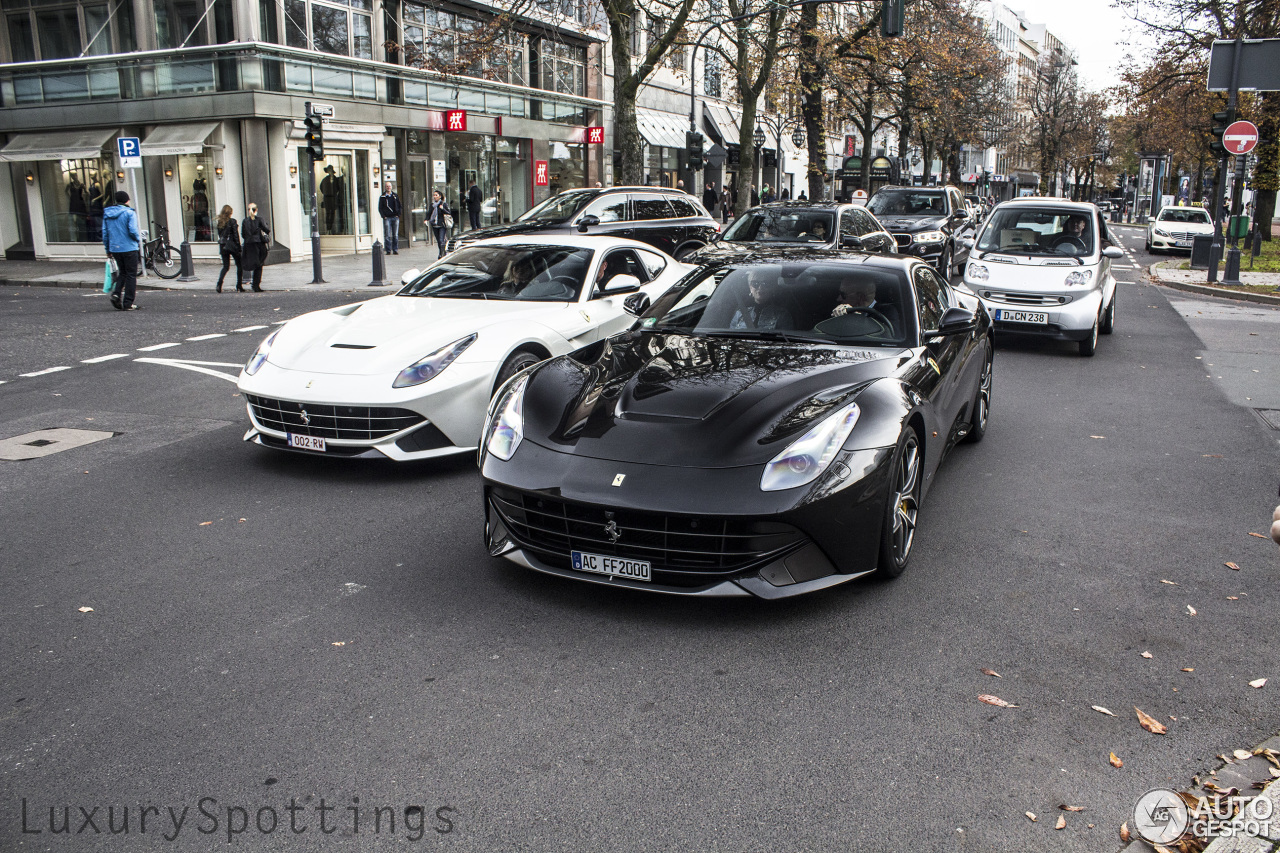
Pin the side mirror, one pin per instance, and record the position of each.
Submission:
(636, 304)
(957, 321)
(1115, 253)
(620, 284)
(409, 275)
(587, 221)
(966, 241)
(848, 241)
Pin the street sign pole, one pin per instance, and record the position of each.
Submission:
(1219, 191)
(1232, 275)
(133, 194)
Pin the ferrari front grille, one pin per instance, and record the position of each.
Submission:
(354, 423)
(685, 544)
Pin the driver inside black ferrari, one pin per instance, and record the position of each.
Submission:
(860, 293)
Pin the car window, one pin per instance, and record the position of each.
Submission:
(903, 202)
(647, 207)
(1185, 214)
(849, 224)
(654, 263)
(1018, 230)
(930, 301)
(509, 272)
(867, 222)
(610, 208)
(781, 225)
(616, 263)
(683, 206)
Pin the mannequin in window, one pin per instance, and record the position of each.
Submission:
(96, 205)
(331, 197)
(200, 209)
(77, 208)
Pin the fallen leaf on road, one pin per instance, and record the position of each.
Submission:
(1232, 566)
(1275, 771)
(1072, 808)
(995, 700)
(343, 643)
(1242, 754)
(1124, 831)
(241, 520)
(992, 672)
(1150, 723)
(86, 609)
(1191, 610)
(1233, 598)
(1097, 436)
(1115, 761)
(205, 523)
(1160, 849)
(1188, 669)
(1170, 583)
(1259, 535)
(1062, 823)
(1031, 815)
(1258, 683)
(1101, 710)
(1147, 655)
(1211, 455)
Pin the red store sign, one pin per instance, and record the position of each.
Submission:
(455, 120)
(595, 136)
(540, 170)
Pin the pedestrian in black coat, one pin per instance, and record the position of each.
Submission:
(709, 198)
(256, 237)
(389, 208)
(229, 247)
(475, 200)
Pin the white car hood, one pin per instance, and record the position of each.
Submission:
(388, 334)
(1019, 272)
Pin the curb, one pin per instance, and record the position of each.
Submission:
(146, 285)
(1206, 290)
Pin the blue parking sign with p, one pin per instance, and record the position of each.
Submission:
(130, 150)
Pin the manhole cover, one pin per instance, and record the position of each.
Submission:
(45, 442)
(1271, 416)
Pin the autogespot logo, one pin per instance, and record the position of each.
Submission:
(1161, 816)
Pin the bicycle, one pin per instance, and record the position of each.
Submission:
(159, 256)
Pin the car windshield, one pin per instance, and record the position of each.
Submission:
(1038, 231)
(825, 302)
(908, 203)
(1192, 215)
(520, 273)
(782, 226)
(558, 208)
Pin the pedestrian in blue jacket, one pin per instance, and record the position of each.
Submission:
(122, 239)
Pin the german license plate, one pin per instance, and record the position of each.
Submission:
(306, 442)
(1182, 244)
(1007, 316)
(634, 570)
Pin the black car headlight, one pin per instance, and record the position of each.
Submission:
(810, 454)
(429, 367)
(259, 356)
(505, 428)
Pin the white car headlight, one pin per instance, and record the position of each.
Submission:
(1081, 277)
(978, 272)
(808, 456)
(505, 428)
(929, 237)
(1161, 233)
(429, 368)
(259, 356)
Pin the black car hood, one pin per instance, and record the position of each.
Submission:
(725, 251)
(694, 401)
(512, 228)
(912, 224)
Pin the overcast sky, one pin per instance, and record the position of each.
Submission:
(1093, 28)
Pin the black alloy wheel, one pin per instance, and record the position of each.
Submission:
(902, 509)
(981, 409)
(1109, 317)
(1090, 344)
(516, 362)
(685, 251)
(944, 264)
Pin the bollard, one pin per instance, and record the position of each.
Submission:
(379, 267)
(187, 270)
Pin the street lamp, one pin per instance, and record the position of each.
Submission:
(758, 137)
(778, 124)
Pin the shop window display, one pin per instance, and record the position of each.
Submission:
(195, 172)
(568, 167)
(74, 194)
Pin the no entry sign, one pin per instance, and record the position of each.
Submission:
(1240, 137)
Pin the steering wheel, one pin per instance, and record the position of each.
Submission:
(885, 327)
(1070, 240)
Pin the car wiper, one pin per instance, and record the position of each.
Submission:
(764, 335)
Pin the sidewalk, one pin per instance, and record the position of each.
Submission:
(341, 273)
(1194, 281)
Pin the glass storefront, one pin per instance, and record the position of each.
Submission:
(568, 166)
(511, 197)
(195, 174)
(342, 191)
(74, 193)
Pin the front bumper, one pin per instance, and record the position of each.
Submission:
(1071, 322)
(809, 538)
(926, 251)
(1170, 244)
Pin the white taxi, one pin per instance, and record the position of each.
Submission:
(1176, 227)
(1042, 267)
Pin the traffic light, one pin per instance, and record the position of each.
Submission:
(315, 137)
(1221, 121)
(693, 149)
(891, 15)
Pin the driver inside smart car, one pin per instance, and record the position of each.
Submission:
(1073, 232)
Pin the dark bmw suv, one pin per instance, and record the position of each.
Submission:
(927, 222)
(671, 220)
(811, 224)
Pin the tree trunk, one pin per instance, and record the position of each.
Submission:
(865, 128)
(812, 78)
(926, 151)
(1267, 179)
(746, 176)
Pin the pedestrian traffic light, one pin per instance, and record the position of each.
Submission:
(693, 149)
(1221, 121)
(891, 15)
(315, 137)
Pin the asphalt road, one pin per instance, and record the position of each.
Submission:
(268, 628)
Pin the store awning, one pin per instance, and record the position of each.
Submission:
(1025, 179)
(170, 139)
(726, 120)
(336, 132)
(663, 129)
(57, 145)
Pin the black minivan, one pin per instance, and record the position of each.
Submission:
(671, 220)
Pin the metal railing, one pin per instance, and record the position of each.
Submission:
(259, 66)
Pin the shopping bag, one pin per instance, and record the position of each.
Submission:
(108, 277)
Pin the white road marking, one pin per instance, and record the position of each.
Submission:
(2, 381)
(208, 337)
(172, 362)
(103, 358)
(249, 329)
(279, 322)
(154, 347)
(46, 370)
